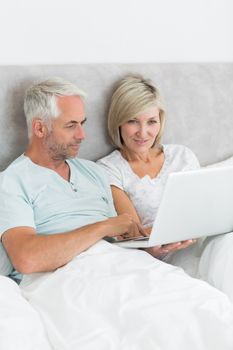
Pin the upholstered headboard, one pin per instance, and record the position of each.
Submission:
(199, 100)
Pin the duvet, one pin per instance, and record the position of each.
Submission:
(20, 325)
(111, 298)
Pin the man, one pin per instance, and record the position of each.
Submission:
(54, 206)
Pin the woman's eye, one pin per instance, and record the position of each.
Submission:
(153, 121)
(132, 121)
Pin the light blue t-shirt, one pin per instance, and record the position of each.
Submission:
(38, 197)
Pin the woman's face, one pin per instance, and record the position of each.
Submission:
(139, 133)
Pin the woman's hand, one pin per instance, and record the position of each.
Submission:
(161, 251)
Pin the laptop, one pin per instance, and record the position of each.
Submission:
(195, 204)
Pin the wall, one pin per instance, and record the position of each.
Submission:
(72, 31)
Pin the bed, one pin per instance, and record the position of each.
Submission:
(142, 303)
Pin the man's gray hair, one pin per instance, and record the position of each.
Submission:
(41, 99)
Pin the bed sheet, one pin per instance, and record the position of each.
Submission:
(20, 325)
(118, 299)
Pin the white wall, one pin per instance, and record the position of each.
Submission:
(72, 31)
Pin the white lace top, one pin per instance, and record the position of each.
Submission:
(146, 193)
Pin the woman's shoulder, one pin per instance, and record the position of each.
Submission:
(112, 158)
(177, 149)
(181, 154)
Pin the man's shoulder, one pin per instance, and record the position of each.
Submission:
(13, 178)
(16, 168)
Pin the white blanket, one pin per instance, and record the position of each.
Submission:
(20, 325)
(111, 298)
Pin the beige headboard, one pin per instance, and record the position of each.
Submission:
(199, 100)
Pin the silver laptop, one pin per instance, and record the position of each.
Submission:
(195, 204)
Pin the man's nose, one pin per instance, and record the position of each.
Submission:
(80, 133)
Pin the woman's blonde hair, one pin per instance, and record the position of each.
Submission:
(133, 94)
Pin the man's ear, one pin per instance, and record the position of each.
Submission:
(39, 128)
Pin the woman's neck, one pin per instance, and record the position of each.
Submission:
(143, 157)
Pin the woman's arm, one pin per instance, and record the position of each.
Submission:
(123, 204)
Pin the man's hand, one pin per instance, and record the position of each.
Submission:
(160, 251)
(123, 226)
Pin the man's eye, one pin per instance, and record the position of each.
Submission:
(70, 126)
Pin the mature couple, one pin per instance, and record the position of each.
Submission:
(55, 206)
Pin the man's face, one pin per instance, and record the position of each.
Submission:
(67, 133)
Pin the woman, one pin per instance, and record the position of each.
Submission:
(139, 168)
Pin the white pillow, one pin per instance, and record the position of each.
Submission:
(226, 162)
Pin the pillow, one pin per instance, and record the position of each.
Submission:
(5, 264)
(226, 162)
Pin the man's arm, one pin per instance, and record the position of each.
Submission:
(30, 252)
